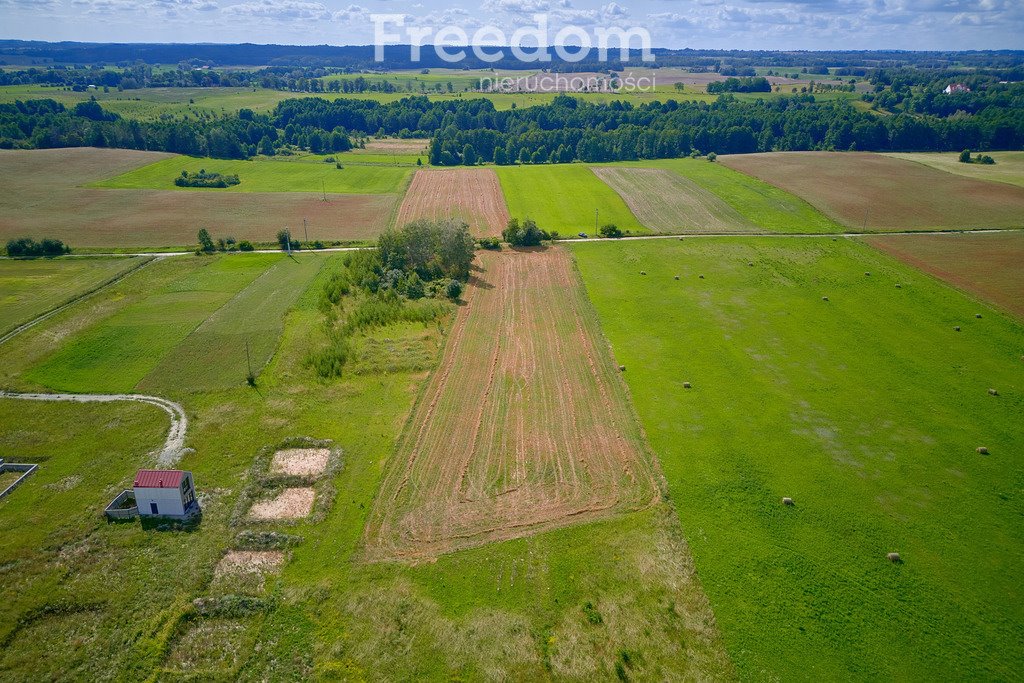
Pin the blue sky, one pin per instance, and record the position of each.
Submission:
(725, 24)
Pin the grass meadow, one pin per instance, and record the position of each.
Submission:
(866, 409)
(564, 197)
(1009, 166)
(310, 174)
(31, 288)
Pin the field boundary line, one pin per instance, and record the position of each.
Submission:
(85, 295)
(174, 446)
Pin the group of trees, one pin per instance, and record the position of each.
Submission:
(755, 84)
(26, 247)
(208, 246)
(431, 249)
(204, 179)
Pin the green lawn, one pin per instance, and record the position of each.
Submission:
(31, 288)
(866, 409)
(116, 354)
(306, 174)
(766, 206)
(564, 197)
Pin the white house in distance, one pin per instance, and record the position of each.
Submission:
(165, 493)
(956, 88)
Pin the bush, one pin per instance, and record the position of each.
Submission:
(489, 243)
(26, 247)
(712, 156)
(285, 240)
(965, 156)
(204, 179)
(205, 241)
(454, 290)
(610, 230)
(526, 234)
(245, 245)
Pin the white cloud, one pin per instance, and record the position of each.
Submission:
(281, 10)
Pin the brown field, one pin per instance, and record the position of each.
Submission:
(524, 426)
(667, 202)
(300, 462)
(290, 503)
(990, 266)
(892, 194)
(41, 195)
(472, 194)
(250, 561)
(395, 146)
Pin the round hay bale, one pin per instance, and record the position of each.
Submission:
(898, 286)
(788, 501)
(751, 264)
(977, 315)
(893, 557)
(867, 274)
(982, 450)
(824, 298)
(643, 272)
(686, 385)
(701, 277)
(622, 368)
(993, 392)
(675, 277)
(957, 328)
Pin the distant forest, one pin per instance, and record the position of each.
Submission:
(472, 131)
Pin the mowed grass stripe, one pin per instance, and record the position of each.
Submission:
(1009, 166)
(29, 289)
(524, 426)
(866, 409)
(115, 354)
(878, 193)
(266, 175)
(667, 202)
(214, 356)
(564, 198)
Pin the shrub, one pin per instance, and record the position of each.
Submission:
(454, 290)
(26, 247)
(489, 243)
(610, 230)
(284, 239)
(526, 234)
(205, 241)
(965, 156)
(204, 179)
(245, 245)
(712, 156)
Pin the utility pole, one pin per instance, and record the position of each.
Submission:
(305, 232)
(248, 361)
(288, 239)
(596, 221)
(323, 189)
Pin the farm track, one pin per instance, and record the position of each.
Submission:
(174, 446)
(473, 195)
(524, 426)
(85, 295)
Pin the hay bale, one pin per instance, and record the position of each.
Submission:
(977, 315)
(993, 392)
(788, 501)
(701, 277)
(899, 286)
(622, 368)
(867, 274)
(982, 450)
(893, 557)
(824, 298)
(751, 264)
(957, 328)
(643, 272)
(686, 385)
(676, 277)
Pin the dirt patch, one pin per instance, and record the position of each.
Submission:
(250, 562)
(879, 193)
(290, 503)
(41, 195)
(472, 194)
(300, 462)
(987, 266)
(667, 202)
(524, 426)
(397, 146)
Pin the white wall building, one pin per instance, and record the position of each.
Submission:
(165, 493)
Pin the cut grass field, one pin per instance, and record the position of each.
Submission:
(306, 174)
(524, 426)
(1009, 166)
(563, 198)
(31, 288)
(667, 202)
(866, 409)
(42, 195)
(989, 266)
(94, 600)
(472, 194)
(878, 193)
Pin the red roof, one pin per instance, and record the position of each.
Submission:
(159, 479)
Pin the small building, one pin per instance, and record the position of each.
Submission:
(954, 88)
(165, 493)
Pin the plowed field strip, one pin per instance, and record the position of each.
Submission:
(472, 194)
(524, 426)
(669, 203)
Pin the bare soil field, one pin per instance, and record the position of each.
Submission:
(880, 193)
(290, 503)
(524, 426)
(41, 195)
(250, 561)
(395, 146)
(991, 266)
(300, 462)
(473, 195)
(667, 202)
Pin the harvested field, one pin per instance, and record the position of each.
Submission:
(524, 426)
(669, 203)
(250, 562)
(395, 146)
(474, 195)
(879, 193)
(41, 196)
(290, 503)
(987, 266)
(300, 462)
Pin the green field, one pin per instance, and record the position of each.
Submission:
(866, 409)
(1009, 166)
(304, 174)
(564, 198)
(766, 206)
(31, 288)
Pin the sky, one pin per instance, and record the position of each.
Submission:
(717, 24)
